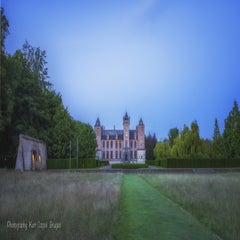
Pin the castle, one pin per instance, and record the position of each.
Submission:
(121, 145)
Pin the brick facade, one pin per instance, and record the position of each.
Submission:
(121, 145)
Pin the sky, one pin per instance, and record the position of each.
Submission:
(170, 62)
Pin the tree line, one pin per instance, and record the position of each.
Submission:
(188, 144)
(29, 105)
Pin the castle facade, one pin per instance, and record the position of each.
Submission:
(123, 145)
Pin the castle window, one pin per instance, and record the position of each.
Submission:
(111, 144)
(103, 144)
(116, 144)
(120, 144)
(116, 155)
(107, 154)
(111, 154)
(107, 144)
(103, 154)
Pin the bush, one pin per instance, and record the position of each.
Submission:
(129, 166)
(199, 163)
(73, 164)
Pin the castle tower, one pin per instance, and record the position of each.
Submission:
(98, 132)
(126, 149)
(141, 154)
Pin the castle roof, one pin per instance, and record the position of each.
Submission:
(140, 122)
(97, 124)
(126, 117)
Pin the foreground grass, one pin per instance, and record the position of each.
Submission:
(147, 214)
(58, 205)
(213, 199)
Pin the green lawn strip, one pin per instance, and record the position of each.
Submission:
(146, 214)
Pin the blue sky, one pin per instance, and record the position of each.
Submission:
(170, 62)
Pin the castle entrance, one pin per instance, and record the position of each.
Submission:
(126, 156)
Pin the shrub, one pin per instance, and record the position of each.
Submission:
(129, 166)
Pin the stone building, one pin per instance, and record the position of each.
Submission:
(121, 145)
(32, 154)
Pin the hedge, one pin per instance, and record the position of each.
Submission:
(199, 163)
(153, 162)
(129, 166)
(72, 164)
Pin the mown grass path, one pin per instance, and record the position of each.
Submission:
(147, 214)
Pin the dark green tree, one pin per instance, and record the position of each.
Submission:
(150, 143)
(231, 134)
(4, 29)
(29, 106)
(217, 143)
(3, 58)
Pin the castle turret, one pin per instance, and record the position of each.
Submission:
(126, 125)
(126, 149)
(98, 132)
(141, 142)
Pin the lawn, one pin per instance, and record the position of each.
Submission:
(213, 199)
(147, 214)
(58, 205)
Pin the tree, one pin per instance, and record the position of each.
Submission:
(177, 149)
(150, 143)
(217, 143)
(173, 134)
(3, 57)
(4, 29)
(197, 145)
(162, 150)
(86, 138)
(29, 106)
(189, 143)
(231, 134)
(62, 133)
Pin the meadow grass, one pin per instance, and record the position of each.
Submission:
(213, 199)
(58, 205)
(87, 206)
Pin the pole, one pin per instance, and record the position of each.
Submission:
(70, 154)
(77, 154)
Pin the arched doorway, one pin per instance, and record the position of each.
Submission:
(33, 159)
(36, 160)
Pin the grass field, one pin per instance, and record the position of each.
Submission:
(58, 205)
(213, 199)
(89, 206)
